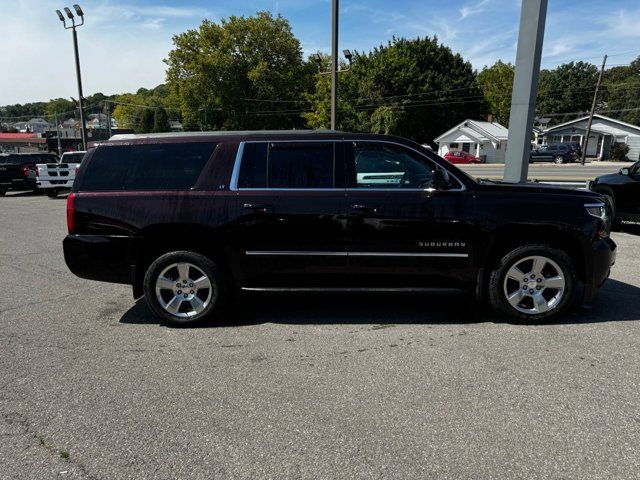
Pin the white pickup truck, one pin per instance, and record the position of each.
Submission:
(55, 177)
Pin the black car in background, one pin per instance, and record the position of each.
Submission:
(575, 146)
(18, 170)
(623, 188)
(190, 219)
(557, 152)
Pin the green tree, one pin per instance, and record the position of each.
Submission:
(241, 73)
(496, 83)
(415, 88)
(622, 92)
(128, 109)
(567, 89)
(63, 107)
(145, 121)
(160, 120)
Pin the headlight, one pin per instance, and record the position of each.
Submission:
(599, 210)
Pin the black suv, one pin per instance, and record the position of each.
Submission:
(623, 188)
(18, 170)
(189, 220)
(557, 153)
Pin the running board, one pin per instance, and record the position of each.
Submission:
(354, 290)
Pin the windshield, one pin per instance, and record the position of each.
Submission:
(75, 157)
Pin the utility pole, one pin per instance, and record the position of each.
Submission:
(55, 116)
(533, 16)
(108, 118)
(334, 64)
(593, 111)
(73, 27)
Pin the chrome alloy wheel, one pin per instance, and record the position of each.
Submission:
(183, 290)
(534, 285)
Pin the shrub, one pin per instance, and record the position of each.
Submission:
(619, 152)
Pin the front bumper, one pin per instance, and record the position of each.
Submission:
(603, 257)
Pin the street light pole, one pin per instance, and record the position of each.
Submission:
(334, 65)
(83, 127)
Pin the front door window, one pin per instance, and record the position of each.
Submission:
(385, 166)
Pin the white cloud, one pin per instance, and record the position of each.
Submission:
(473, 9)
(624, 23)
(121, 48)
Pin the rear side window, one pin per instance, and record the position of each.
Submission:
(253, 169)
(146, 167)
(297, 165)
(302, 165)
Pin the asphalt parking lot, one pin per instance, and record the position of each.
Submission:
(91, 386)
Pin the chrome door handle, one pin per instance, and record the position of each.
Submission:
(364, 208)
(258, 207)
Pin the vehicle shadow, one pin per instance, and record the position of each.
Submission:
(617, 302)
(22, 194)
(332, 308)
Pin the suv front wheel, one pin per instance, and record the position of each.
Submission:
(533, 283)
(184, 288)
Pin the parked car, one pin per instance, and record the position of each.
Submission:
(623, 190)
(576, 147)
(189, 220)
(458, 157)
(557, 153)
(54, 178)
(18, 170)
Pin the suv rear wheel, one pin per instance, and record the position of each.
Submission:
(533, 283)
(184, 288)
(559, 159)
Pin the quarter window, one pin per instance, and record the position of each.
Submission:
(163, 166)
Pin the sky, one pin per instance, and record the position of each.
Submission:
(123, 43)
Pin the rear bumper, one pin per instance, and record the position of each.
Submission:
(19, 184)
(55, 183)
(100, 257)
(603, 257)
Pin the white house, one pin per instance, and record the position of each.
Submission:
(486, 140)
(605, 132)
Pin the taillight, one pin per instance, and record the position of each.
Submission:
(71, 205)
(25, 171)
(75, 170)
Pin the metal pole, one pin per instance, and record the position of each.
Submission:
(334, 65)
(58, 134)
(83, 127)
(593, 111)
(108, 118)
(525, 89)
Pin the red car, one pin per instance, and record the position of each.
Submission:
(461, 157)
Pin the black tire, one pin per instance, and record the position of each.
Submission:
(218, 295)
(3, 192)
(497, 294)
(51, 192)
(558, 160)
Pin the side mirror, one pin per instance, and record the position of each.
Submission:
(624, 171)
(440, 179)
